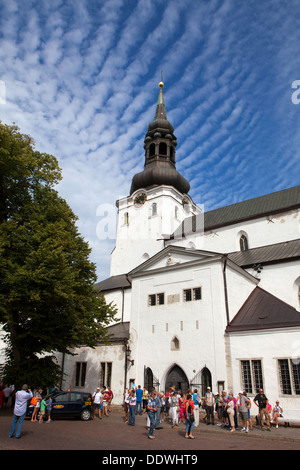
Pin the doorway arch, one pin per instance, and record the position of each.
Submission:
(177, 377)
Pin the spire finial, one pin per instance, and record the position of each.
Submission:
(161, 83)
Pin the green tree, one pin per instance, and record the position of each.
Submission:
(47, 298)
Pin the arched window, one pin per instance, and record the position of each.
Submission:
(152, 150)
(154, 208)
(175, 345)
(297, 292)
(162, 148)
(172, 154)
(243, 243)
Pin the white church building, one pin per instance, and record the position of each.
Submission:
(203, 298)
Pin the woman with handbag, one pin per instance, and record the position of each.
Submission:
(190, 419)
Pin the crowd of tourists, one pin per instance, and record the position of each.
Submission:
(172, 407)
(175, 407)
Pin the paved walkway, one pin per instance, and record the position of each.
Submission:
(112, 434)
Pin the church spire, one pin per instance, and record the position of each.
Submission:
(160, 107)
(160, 143)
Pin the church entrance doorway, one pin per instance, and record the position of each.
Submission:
(177, 377)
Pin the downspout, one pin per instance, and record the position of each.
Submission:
(123, 304)
(125, 365)
(225, 288)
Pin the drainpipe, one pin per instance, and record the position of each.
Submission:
(123, 304)
(126, 362)
(225, 288)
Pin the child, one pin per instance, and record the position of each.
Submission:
(49, 408)
(42, 408)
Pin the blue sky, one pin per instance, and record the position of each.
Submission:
(81, 77)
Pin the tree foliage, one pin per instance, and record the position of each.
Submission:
(47, 298)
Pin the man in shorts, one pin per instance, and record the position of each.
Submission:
(243, 405)
(97, 398)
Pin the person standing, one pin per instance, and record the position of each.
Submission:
(159, 405)
(261, 402)
(152, 409)
(243, 405)
(210, 401)
(97, 397)
(132, 407)
(105, 400)
(20, 408)
(43, 410)
(139, 399)
(174, 407)
(197, 404)
(36, 401)
(230, 411)
(145, 399)
(189, 414)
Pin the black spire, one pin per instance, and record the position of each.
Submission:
(159, 145)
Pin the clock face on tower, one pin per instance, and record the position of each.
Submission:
(140, 199)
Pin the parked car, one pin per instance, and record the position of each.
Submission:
(68, 404)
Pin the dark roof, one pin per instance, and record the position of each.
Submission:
(270, 254)
(114, 282)
(263, 310)
(261, 206)
(118, 332)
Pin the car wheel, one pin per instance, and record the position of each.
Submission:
(85, 415)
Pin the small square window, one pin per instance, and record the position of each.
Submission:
(187, 295)
(197, 293)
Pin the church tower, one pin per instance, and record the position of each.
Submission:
(158, 200)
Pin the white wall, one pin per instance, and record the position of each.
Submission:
(201, 344)
(267, 346)
(260, 232)
(93, 358)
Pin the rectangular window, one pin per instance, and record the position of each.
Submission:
(197, 293)
(257, 375)
(80, 374)
(105, 374)
(246, 376)
(284, 375)
(251, 372)
(187, 295)
(192, 294)
(156, 299)
(289, 376)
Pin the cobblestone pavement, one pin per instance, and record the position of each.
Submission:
(112, 434)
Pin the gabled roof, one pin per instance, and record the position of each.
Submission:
(263, 310)
(173, 256)
(114, 282)
(270, 254)
(118, 332)
(261, 206)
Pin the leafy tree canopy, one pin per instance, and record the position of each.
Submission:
(47, 298)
